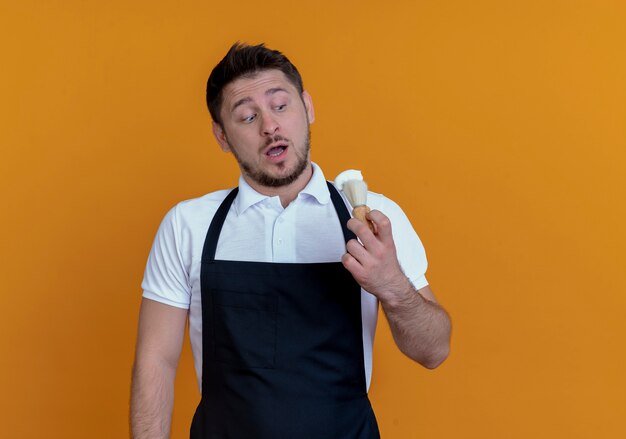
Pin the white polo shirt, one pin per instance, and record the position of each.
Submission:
(259, 229)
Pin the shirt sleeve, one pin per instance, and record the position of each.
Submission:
(409, 248)
(166, 279)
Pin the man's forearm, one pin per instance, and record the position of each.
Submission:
(420, 327)
(152, 399)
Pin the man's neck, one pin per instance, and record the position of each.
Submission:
(286, 193)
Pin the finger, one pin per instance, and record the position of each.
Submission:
(383, 224)
(357, 251)
(363, 232)
(352, 265)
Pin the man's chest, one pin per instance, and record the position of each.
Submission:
(298, 234)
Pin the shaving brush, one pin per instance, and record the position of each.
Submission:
(352, 184)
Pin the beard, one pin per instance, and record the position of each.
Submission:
(264, 179)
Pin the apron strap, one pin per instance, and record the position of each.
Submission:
(210, 243)
(342, 212)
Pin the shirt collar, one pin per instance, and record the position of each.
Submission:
(316, 188)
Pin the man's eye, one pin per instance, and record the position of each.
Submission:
(249, 118)
(281, 107)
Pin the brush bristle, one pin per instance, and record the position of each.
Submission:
(356, 191)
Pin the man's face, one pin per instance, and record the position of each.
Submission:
(266, 126)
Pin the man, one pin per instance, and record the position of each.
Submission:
(282, 298)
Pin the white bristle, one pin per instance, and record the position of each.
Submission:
(350, 174)
(356, 191)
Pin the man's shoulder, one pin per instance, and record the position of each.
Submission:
(211, 198)
(376, 201)
(389, 207)
(200, 207)
(379, 201)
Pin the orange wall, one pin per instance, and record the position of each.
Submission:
(499, 126)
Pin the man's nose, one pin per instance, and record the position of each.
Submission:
(269, 125)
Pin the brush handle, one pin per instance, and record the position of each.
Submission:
(359, 213)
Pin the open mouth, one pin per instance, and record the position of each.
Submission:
(277, 151)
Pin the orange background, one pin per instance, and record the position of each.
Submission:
(499, 126)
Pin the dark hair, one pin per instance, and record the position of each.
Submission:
(245, 60)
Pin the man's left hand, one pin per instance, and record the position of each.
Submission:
(373, 261)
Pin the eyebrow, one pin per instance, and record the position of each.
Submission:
(247, 99)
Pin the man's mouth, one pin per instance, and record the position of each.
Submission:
(276, 151)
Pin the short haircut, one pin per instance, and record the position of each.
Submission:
(243, 60)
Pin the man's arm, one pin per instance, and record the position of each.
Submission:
(159, 343)
(420, 326)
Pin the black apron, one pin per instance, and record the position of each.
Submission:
(282, 347)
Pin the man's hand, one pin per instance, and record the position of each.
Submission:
(419, 325)
(373, 261)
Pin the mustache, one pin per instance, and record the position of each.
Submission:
(274, 139)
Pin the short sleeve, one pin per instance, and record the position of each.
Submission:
(409, 248)
(166, 279)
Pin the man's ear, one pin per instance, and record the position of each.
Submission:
(220, 136)
(308, 105)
